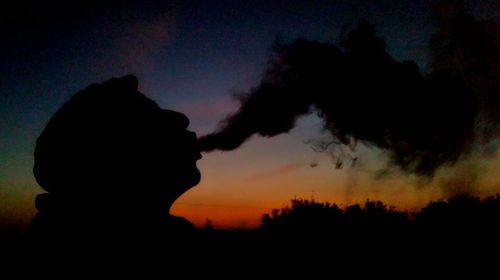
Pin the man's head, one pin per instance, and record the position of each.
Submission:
(112, 141)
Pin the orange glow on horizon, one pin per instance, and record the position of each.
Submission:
(237, 188)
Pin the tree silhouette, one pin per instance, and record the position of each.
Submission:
(461, 216)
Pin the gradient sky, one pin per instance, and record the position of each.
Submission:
(192, 56)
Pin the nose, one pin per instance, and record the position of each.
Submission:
(176, 119)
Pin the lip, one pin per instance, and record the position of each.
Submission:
(198, 156)
(196, 145)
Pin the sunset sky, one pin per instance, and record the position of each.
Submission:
(192, 56)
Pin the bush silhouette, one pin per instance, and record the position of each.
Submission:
(461, 216)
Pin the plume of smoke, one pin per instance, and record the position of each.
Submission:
(470, 49)
(363, 95)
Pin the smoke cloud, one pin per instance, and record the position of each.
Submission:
(364, 95)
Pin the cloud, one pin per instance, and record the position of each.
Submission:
(142, 39)
(120, 34)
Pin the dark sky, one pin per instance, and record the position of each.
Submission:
(188, 55)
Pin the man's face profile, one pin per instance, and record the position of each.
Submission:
(113, 140)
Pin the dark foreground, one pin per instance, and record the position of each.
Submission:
(460, 234)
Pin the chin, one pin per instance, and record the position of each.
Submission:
(190, 179)
(195, 178)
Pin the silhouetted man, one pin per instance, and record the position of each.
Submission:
(112, 163)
